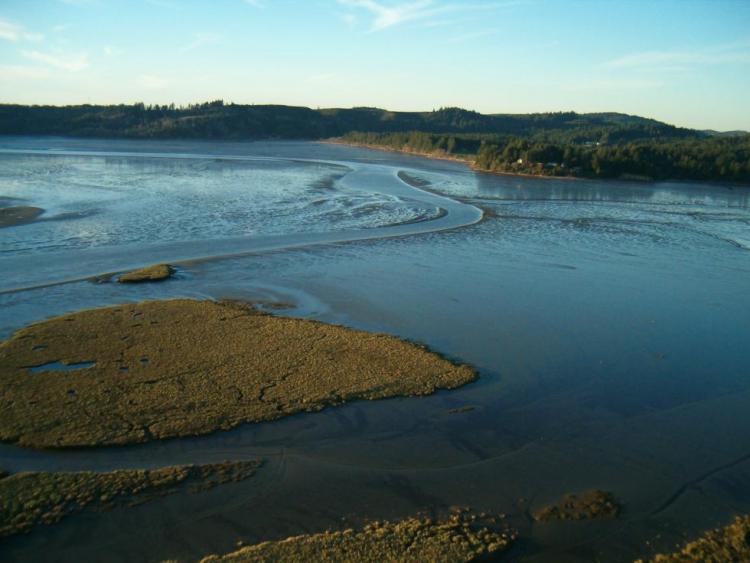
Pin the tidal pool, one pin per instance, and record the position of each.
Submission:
(609, 322)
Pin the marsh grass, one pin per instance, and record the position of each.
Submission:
(460, 537)
(164, 369)
(730, 544)
(30, 499)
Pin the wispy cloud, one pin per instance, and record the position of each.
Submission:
(166, 4)
(152, 82)
(12, 32)
(255, 3)
(111, 51)
(21, 72)
(738, 52)
(202, 39)
(389, 15)
(616, 84)
(472, 36)
(67, 62)
(348, 19)
(324, 77)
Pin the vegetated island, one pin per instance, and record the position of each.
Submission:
(591, 145)
(29, 499)
(157, 272)
(451, 540)
(587, 505)
(728, 544)
(163, 369)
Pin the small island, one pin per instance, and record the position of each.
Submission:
(580, 506)
(19, 215)
(163, 369)
(157, 272)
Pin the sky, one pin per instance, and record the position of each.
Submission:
(686, 62)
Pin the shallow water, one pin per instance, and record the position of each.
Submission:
(609, 322)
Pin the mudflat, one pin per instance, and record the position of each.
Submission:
(163, 369)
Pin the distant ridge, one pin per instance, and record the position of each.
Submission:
(736, 133)
(217, 120)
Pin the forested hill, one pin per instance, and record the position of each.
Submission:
(216, 120)
(609, 145)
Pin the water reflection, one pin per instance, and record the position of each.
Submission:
(664, 193)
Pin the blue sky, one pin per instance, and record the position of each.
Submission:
(686, 62)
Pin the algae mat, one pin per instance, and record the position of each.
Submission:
(29, 499)
(413, 539)
(163, 369)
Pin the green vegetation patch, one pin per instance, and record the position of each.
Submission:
(457, 538)
(29, 499)
(722, 545)
(581, 506)
(157, 272)
(18, 215)
(163, 369)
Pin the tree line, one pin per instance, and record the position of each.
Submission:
(700, 158)
(218, 120)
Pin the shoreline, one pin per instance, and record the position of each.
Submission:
(337, 141)
(471, 165)
(461, 160)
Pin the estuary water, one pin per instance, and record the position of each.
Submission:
(610, 323)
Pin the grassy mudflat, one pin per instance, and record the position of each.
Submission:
(414, 539)
(30, 499)
(722, 545)
(162, 369)
(18, 215)
(156, 272)
(581, 506)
